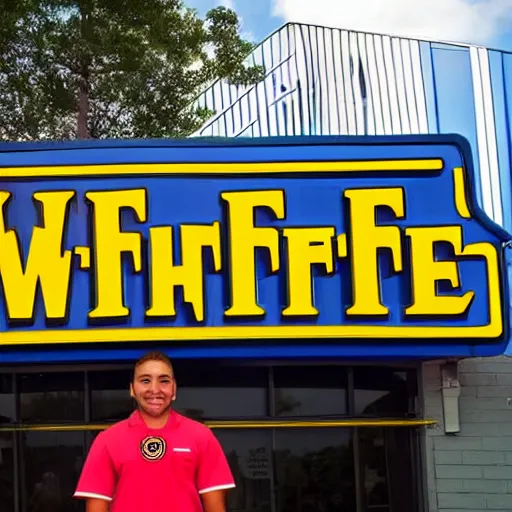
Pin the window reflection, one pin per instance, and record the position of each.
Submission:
(7, 401)
(215, 391)
(381, 391)
(6, 472)
(249, 453)
(52, 464)
(386, 459)
(110, 395)
(310, 390)
(52, 397)
(315, 470)
(374, 468)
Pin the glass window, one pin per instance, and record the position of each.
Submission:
(381, 391)
(221, 391)
(52, 397)
(7, 401)
(249, 453)
(52, 462)
(315, 470)
(6, 472)
(110, 395)
(310, 390)
(387, 466)
(372, 449)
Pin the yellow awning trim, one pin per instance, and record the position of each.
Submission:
(241, 425)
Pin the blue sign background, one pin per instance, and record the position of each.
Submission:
(312, 199)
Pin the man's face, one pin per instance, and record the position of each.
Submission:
(153, 387)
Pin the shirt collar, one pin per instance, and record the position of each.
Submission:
(136, 420)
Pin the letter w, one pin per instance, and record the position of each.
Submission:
(46, 264)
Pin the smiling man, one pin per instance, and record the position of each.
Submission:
(156, 460)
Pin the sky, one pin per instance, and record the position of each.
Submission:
(485, 22)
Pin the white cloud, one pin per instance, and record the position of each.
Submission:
(229, 4)
(473, 21)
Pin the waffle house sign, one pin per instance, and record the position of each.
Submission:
(358, 239)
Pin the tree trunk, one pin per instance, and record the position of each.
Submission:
(83, 84)
(83, 109)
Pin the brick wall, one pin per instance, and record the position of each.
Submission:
(471, 471)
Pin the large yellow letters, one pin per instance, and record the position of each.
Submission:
(426, 272)
(306, 246)
(244, 238)
(46, 263)
(165, 275)
(366, 238)
(110, 243)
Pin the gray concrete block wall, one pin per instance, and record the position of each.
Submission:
(472, 470)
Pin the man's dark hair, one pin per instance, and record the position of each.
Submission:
(154, 355)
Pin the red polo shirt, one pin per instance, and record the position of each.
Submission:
(140, 469)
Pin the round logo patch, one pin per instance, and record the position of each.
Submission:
(153, 448)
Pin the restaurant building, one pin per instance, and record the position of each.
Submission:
(300, 285)
(315, 293)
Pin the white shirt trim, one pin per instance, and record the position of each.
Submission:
(217, 488)
(91, 495)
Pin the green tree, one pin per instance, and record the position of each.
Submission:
(114, 68)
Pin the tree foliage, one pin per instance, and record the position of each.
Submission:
(113, 68)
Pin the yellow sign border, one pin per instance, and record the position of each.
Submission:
(77, 171)
(492, 330)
